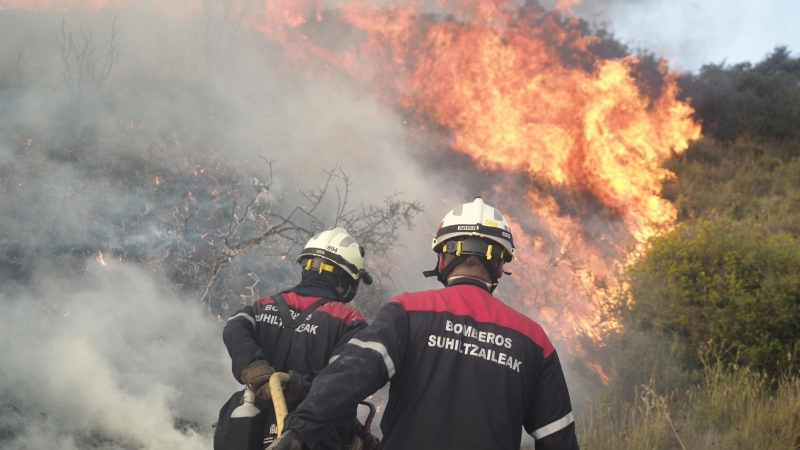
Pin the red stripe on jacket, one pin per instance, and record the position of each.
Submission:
(472, 301)
(335, 308)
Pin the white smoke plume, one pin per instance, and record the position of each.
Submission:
(120, 356)
(108, 359)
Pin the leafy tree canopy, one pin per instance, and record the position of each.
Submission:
(755, 102)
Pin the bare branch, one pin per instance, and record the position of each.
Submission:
(374, 227)
(19, 58)
(110, 55)
(80, 61)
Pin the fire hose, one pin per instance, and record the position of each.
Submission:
(279, 402)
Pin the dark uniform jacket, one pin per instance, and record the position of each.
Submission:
(253, 332)
(466, 371)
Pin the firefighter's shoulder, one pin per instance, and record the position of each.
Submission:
(342, 311)
(509, 317)
(432, 300)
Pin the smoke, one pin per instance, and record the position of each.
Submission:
(176, 134)
(107, 359)
(690, 34)
(110, 193)
(138, 168)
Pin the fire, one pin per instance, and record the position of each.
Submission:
(99, 258)
(601, 373)
(519, 91)
(496, 78)
(497, 83)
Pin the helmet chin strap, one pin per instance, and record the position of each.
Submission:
(351, 292)
(492, 274)
(339, 281)
(442, 271)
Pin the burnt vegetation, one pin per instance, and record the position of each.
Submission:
(92, 170)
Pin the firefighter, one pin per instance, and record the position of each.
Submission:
(466, 371)
(332, 268)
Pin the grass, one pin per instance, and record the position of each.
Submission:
(731, 408)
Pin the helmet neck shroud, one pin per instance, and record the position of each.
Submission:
(341, 281)
(489, 253)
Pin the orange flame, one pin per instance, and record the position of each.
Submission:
(518, 91)
(601, 373)
(495, 77)
(99, 258)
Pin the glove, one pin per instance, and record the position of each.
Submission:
(371, 442)
(352, 442)
(293, 390)
(289, 440)
(257, 374)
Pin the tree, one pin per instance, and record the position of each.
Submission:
(759, 101)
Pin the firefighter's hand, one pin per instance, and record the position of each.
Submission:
(289, 440)
(371, 442)
(257, 374)
(293, 389)
(352, 442)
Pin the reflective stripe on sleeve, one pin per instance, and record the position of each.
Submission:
(558, 425)
(381, 349)
(246, 316)
(333, 358)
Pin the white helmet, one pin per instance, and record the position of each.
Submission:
(476, 219)
(338, 247)
(477, 229)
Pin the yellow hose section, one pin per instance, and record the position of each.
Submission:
(277, 397)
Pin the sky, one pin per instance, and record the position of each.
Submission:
(691, 33)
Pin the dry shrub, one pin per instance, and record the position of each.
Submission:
(733, 407)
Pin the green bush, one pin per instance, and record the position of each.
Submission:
(726, 284)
